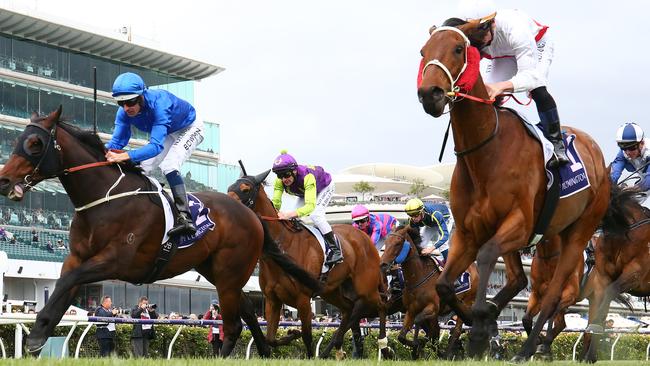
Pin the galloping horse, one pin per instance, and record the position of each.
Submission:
(498, 188)
(354, 285)
(119, 238)
(423, 307)
(542, 268)
(622, 262)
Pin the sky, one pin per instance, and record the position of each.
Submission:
(333, 82)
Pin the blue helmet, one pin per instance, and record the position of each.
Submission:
(128, 86)
(629, 135)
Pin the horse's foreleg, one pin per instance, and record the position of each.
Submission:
(460, 257)
(230, 299)
(531, 310)
(571, 255)
(407, 324)
(454, 346)
(592, 334)
(305, 314)
(73, 274)
(272, 308)
(357, 341)
(249, 316)
(516, 281)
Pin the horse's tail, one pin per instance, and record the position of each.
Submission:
(272, 250)
(624, 299)
(621, 201)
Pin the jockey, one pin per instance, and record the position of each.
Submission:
(436, 223)
(376, 226)
(520, 51)
(633, 156)
(314, 188)
(174, 130)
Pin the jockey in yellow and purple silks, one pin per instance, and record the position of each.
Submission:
(314, 188)
(377, 226)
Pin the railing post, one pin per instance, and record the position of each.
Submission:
(611, 354)
(320, 340)
(171, 344)
(18, 341)
(81, 339)
(2, 346)
(67, 339)
(575, 345)
(248, 348)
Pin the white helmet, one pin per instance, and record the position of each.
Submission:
(629, 135)
(475, 9)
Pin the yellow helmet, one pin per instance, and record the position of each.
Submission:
(414, 206)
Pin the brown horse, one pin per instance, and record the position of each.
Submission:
(420, 298)
(498, 189)
(354, 286)
(622, 262)
(542, 268)
(106, 242)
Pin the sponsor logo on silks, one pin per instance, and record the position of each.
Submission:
(573, 177)
(190, 141)
(202, 221)
(278, 161)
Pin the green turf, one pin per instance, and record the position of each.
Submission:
(258, 362)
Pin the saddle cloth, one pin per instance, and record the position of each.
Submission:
(573, 176)
(200, 217)
(462, 283)
(319, 236)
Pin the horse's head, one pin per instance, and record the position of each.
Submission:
(450, 62)
(393, 244)
(36, 157)
(247, 188)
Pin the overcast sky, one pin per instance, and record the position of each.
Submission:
(334, 81)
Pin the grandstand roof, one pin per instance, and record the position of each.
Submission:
(63, 36)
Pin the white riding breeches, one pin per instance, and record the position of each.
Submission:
(178, 147)
(318, 215)
(504, 68)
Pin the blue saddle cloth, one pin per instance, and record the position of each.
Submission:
(201, 219)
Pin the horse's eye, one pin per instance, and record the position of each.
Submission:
(33, 145)
(459, 49)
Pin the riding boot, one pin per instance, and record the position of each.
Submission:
(553, 132)
(334, 254)
(183, 224)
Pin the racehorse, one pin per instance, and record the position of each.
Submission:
(542, 268)
(119, 237)
(622, 262)
(423, 307)
(498, 187)
(354, 286)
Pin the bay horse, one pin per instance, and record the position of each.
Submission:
(423, 306)
(119, 238)
(622, 262)
(354, 285)
(543, 266)
(498, 187)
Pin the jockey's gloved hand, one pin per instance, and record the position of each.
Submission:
(436, 252)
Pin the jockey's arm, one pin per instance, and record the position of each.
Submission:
(376, 232)
(524, 46)
(121, 135)
(443, 232)
(644, 184)
(310, 196)
(278, 190)
(617, 167)
(157, 136)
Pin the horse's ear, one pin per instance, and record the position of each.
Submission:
(261, 177)
(33, 117)
(53, 117)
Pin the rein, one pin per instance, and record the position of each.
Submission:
(484, 142)
(412, 256)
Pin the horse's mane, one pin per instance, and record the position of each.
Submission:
(92, 141)
(475, 37)
(622, 205)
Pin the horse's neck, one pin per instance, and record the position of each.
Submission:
(90, 184)
(415, 268)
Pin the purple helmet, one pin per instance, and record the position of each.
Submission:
(284, 162)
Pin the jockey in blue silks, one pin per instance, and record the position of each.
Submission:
(436, 223)
(633, 156)
(174, 131)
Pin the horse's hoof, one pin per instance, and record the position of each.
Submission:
(34, 345)
(388, 353)
(519, 359)
(340, 355)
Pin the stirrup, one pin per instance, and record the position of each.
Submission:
(182, 227)
(332, 259)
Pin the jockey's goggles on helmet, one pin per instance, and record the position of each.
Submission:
(284, 174)
(627, 146)
(414, 213)
(362, 220)
(129, 102)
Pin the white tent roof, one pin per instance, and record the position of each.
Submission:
(390, 194)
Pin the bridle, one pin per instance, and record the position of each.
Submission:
(453, 94)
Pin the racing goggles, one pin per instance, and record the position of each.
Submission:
(129, 102)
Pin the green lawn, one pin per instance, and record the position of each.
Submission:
(257, 362)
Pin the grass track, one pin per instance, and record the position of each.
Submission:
(258, 362)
